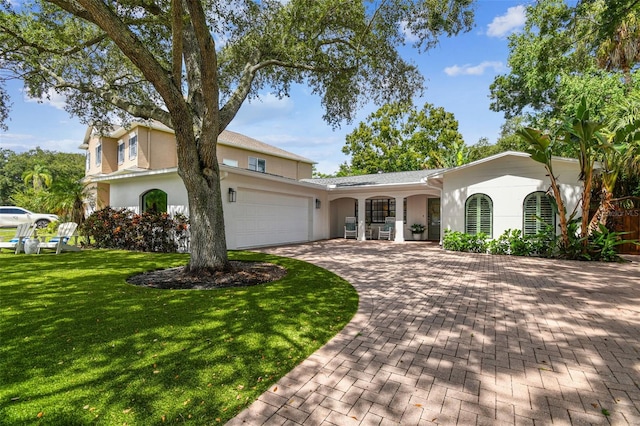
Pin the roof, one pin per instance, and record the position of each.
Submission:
(498, 156)
(393, 178)
(227, 137)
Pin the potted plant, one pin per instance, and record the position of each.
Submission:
(417, 229)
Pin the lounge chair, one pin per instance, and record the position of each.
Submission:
(23, 231)
(386, 232)
(59, 242)
(350, 227)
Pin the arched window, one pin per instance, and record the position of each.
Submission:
(154, 201)
(478, 215)
(537, 213)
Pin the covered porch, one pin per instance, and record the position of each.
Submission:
(412, 202)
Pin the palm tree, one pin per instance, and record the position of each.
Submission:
(624, 136)
(622, 50)
(67, 199)
(39, 176)
(591, 143)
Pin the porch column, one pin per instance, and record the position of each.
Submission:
(399, 220)
(362, 226)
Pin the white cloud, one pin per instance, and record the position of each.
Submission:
(505, 24)
(56, 100)
(468, 69)
(408, 35)
(268, 107)
(24, 142)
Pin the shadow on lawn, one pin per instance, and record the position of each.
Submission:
(81, 345)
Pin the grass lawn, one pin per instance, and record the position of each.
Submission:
(79, 345)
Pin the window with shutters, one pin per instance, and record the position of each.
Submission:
(479, 215)
(537, 213)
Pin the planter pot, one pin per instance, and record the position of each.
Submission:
(417, 236)
(31, 246)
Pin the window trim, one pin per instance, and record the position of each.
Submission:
(133, 147)
(98, 159)
(479, 225)
(390, 212)
(257, 165)
(120, 152)
(537, 224)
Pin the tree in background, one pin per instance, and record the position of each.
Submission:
(190, 65)
(14, 167)
(554, 62)
(399, 137)
(507, 141)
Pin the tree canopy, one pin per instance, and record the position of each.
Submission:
(190, 65)
(399, 137)
(565, 54)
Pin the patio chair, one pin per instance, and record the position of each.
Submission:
(59, 242)
(23, 231)
(350, 227)
(386, 232)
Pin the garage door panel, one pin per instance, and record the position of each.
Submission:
(270, 218)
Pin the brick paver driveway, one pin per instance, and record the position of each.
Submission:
(452, 338)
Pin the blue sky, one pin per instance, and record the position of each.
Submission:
(458, 73)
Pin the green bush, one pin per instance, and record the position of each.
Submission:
(126, 230)
(603, 242)
(459, 241)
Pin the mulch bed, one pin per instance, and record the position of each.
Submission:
(242, 274)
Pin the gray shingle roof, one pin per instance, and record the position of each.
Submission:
(376, 179)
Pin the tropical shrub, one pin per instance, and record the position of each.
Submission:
(459, 241)
(127, 230)
(603, 242)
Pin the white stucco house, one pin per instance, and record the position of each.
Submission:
(273, 199)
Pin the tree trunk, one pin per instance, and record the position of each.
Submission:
(586, 208)
(206, 218)
(564, 230)
(198, 167)
(602, 214)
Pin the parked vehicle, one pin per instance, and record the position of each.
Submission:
(11, 216)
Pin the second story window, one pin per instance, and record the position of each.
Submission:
(120, 152)
(257, 164)
(98, 154)
(133, 146)
(88, 165)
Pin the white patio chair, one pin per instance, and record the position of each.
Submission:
(23, 231)
(386, 231)
(350, 227)
(59, 242)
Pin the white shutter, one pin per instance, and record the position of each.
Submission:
(538, 213)
(479, 215)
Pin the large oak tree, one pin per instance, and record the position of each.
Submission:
(191, 64)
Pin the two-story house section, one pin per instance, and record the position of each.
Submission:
(152, 146)
(264, 199)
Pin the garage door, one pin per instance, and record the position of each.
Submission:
(267, 218)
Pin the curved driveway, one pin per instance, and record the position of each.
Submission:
(453, 338)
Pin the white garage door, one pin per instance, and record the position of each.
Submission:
(268, 218)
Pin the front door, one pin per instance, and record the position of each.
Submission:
(433, 211)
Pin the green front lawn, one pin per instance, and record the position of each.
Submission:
(80, 345)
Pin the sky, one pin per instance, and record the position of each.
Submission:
(458, 73)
